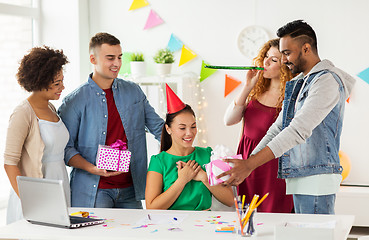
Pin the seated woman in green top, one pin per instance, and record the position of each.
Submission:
(176, 178)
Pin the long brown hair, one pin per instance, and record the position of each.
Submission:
(263, 84)
(166, 139)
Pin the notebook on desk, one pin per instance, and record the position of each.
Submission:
(43, 202)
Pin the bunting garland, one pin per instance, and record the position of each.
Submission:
(186, 55)
(174, 43)
(364, 75)
(136, 4)
(126, 67)
(153, 20)
(205, 72)
(230, 84)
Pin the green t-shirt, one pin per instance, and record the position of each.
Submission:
(195, 195)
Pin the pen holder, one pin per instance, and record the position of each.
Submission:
(249, 229)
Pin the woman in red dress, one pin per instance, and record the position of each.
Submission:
(258, 105)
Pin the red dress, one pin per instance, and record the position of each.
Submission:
(257, 120)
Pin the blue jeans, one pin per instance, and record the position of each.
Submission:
(117, 198)
(310, 204)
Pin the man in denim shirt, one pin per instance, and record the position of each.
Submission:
(306, 134)
(100, 111)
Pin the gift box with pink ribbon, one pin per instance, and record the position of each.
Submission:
(218, 166)
(115, 157)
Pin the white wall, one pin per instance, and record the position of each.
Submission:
(64, 25)
(211, 27)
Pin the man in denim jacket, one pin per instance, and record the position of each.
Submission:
(100, 111)
(306, 134)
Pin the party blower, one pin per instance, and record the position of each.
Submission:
(234, 67)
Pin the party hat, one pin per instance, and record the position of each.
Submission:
(174, 104)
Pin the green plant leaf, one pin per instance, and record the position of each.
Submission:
(137, 57)
(164, 56)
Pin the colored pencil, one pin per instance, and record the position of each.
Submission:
(250, 210)
(262, 199)
(238, 213)
(243, 201)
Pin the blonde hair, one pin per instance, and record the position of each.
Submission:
(263, 84)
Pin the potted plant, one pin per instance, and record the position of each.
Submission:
(138, 67)
(164, 59)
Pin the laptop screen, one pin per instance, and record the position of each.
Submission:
(43, 200)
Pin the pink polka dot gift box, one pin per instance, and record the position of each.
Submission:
(115, 157)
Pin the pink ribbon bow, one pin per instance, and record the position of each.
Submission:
(119, 145)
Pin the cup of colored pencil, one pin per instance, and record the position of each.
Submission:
(246, 213)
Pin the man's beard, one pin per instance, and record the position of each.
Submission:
(299, 65)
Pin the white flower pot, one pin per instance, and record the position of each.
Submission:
(163, 68)
(138, 69)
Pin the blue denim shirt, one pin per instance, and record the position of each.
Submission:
(85, 114)
(319, 153)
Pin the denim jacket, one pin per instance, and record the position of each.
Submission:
(319, 154)
(85, 114)
(306, 134)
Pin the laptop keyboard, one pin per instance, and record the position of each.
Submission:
(75, 220)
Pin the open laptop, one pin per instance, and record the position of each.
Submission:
(43, 202)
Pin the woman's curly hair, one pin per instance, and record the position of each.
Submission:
(38, 69)
(263, 84)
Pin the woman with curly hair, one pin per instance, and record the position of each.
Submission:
(36, 136)
(258, 105)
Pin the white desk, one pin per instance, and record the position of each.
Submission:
(196, 225)
(353, 201)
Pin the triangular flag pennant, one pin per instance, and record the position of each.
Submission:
(126, 67)
(230, 84)
(174, 43)
(153, 20)
(364, 75)
(136, 4)
(205, 72)
(186, 55)
(348, 100)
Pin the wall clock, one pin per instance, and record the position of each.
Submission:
(251, 39)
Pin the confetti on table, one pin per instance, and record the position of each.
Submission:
(154, 231)
(199, 225)
(142, 226)
(225, 229)
(175, 229)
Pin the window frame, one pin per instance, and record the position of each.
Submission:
(33, 12)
